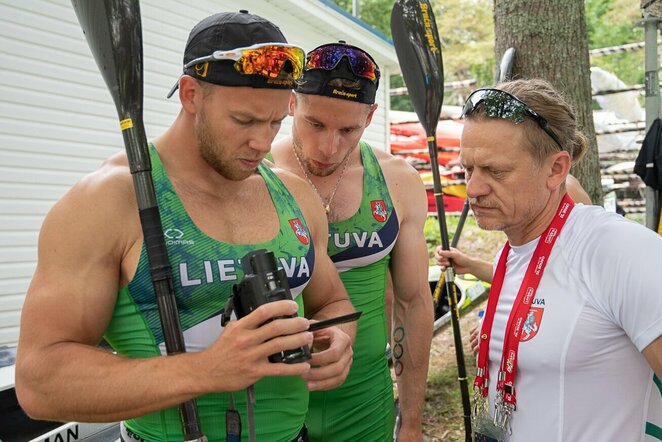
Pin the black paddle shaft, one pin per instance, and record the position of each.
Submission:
(418, 48)
(114, 34)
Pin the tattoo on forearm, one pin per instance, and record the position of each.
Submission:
(398, 349)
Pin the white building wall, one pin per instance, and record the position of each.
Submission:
(58, 122)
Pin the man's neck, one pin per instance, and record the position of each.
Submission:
(293, 165)
(185, 166)
(522, 234)
(283, 156)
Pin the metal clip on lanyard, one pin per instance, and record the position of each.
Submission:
(503, 411)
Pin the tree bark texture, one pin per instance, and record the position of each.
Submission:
(551, 43)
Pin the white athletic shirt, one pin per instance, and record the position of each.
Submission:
(581, 376)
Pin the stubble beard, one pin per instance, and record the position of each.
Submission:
(489, 227)
(312, 170)
(210, 149)
(483, 223)
(492, 224)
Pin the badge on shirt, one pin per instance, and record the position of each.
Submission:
(532, 323)
(379, 210)
(299, 231)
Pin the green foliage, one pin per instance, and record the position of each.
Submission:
(376, 13)
(466, 29)
(613, 23)
(431, 231)
(400, 102)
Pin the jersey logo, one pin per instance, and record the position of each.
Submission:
(299, 231)
(175, 237)
(532, 323)
(379, 210)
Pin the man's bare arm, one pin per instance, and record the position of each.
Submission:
(61, 375)
(412, 303)
(653, 354)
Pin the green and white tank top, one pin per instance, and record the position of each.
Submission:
(360, 247)
(204, 271)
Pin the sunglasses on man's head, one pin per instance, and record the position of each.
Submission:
(328, 56)
(501, 104)
(266, 59)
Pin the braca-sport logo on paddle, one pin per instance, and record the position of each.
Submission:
(299, 231)
(429, 35)
(379, 210)
(532, 323)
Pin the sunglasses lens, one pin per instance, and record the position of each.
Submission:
(498, 104)
(268, 61)
(327, 57)
(501, 104)
(469, 106)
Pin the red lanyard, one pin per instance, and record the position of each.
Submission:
(520, 309)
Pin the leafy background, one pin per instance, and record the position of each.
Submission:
(466, 29)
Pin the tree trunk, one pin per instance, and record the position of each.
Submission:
(551, 43)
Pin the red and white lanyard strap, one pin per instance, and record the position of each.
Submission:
(508, 369)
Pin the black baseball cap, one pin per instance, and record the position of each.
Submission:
(340, 61)
(228, 31)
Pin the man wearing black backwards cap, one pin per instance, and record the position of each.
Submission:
(376, 207)
(218, 201)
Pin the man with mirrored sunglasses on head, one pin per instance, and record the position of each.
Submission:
(569, 348)
(218, 201)
(376, 207)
